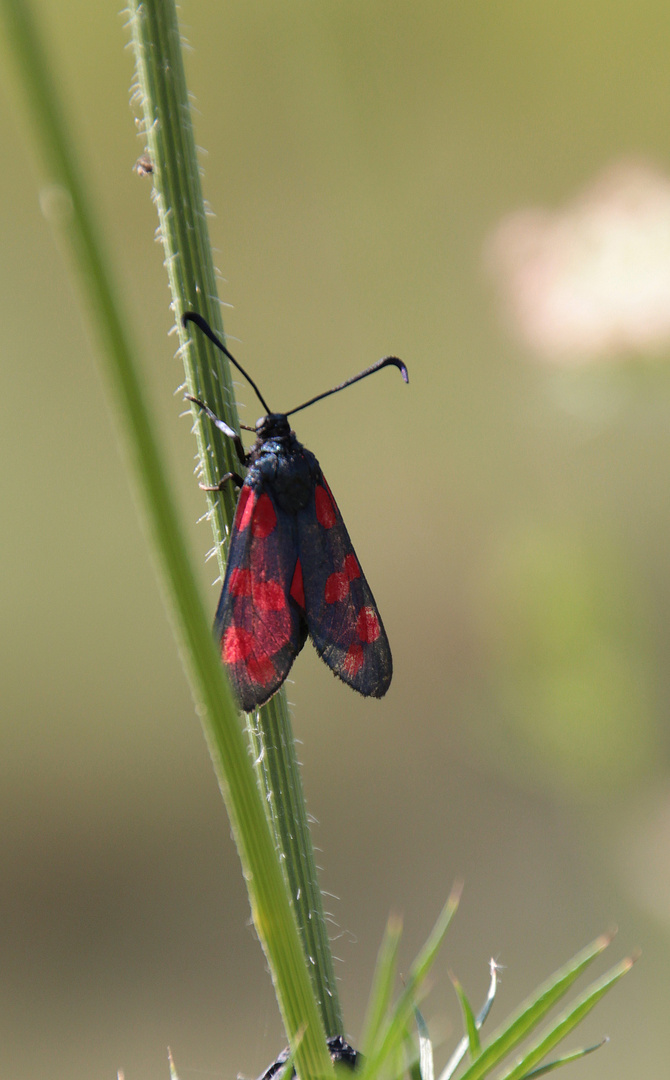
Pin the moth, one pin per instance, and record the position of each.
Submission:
(292, 571)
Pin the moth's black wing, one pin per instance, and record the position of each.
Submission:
(261, 628)
(342, 616)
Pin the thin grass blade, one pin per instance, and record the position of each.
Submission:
(567, 1021)
(382, 983)
(461, 1050)
(565, 1060)
(468, 1019)
(534, 1009)
(411, 1064)
(392, 1032)
(426, 1064)
(173, 1068)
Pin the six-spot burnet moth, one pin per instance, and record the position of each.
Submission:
(292, 569)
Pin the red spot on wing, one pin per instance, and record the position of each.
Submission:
(297, 588)
(264, 519)
(325, 508)
(337, 587)
(239, 583)
(351, 567)
(353, 661)
(245, 506)
(268, 595)
(236, 644)
(367, 624)
(261, 669)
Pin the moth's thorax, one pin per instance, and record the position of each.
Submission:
(284, 464)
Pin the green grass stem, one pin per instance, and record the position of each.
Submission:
(271, 909)
(161, 95)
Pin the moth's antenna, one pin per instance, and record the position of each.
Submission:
(387, 360)
(192, 316)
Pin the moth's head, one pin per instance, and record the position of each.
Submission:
(267, 427)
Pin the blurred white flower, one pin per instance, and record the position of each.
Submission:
(590, 280)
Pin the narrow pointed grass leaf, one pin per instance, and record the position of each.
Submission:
(468, 1018)
(288, 1068)
(490, 997)
(382, 983)
(565, 1060)
(534, 1009)
(412, 1062)
(567, 1020)
(393, 1030)
(403, 1060)
(461, 1050)
(173, 1069)
(426, 1065)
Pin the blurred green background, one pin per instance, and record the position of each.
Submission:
(512, 516)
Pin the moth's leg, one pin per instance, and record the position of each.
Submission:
(223, 427)
(235, 477)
